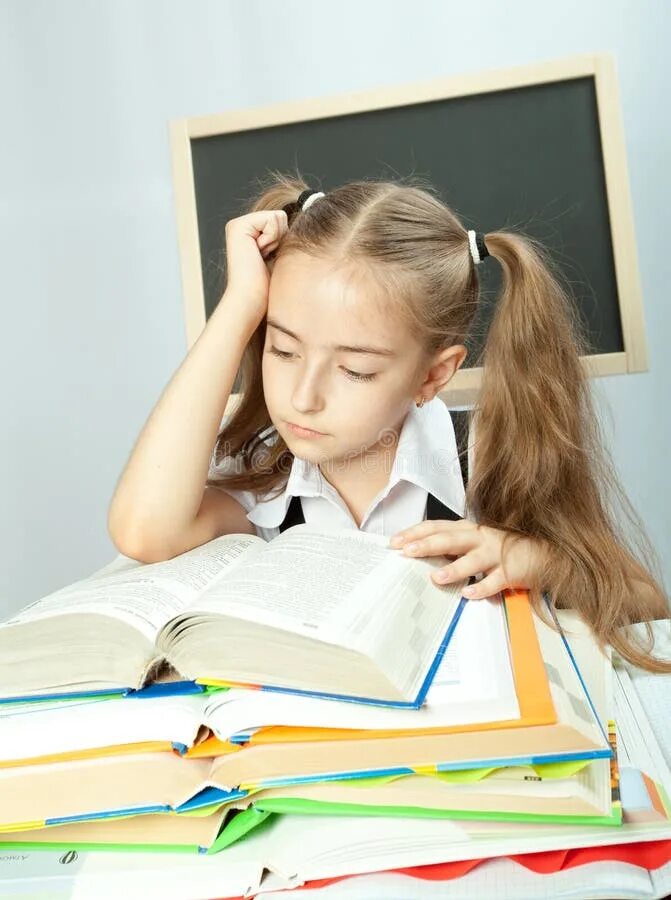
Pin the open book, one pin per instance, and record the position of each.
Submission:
(521, 794)
(326, 611)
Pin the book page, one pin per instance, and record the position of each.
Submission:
(477, 666)
(503, 879)
(654, 692)
(324, 846)
(585, 709)
(406, 629)
(301, 582)
(147, 595)
(642, 738)
(654, 689)
(32, 730)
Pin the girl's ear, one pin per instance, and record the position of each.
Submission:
(450, 360)
(445, 363)
(462, 356)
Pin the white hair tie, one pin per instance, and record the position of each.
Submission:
(311, 199)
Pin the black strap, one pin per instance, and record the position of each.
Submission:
(434, 510)
(294, 514)
(437, 510)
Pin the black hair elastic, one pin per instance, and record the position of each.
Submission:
(476, 241)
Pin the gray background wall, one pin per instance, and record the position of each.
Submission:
(92, 321)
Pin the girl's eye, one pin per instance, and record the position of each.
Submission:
(359, 376)
(355, 376)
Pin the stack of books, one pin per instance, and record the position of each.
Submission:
(254, 702)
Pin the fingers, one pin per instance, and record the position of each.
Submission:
(470, 564)
(477, 548)
(442, 544)
(273, 230)
(487, 587)
(442, 540)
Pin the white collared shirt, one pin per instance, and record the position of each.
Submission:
(426, 461)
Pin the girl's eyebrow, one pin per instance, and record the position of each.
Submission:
(345, 348)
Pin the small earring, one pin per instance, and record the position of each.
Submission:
(421, 402)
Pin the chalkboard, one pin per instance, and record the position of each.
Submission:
(536, 149)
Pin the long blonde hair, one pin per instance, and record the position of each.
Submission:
(539, 465)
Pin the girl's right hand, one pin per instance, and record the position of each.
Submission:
(249, 240)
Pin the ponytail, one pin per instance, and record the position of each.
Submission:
(540, 467)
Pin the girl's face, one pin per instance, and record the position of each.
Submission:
(313, 375)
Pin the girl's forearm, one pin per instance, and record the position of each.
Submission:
(161, 488)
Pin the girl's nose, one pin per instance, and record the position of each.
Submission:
(308, 395)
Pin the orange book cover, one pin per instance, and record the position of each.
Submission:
(91, 753)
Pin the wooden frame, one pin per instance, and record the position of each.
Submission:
(463, 388)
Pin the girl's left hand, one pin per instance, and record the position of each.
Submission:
(479, 549)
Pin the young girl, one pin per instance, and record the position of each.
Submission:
(346, 312)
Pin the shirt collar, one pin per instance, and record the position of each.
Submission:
(426, 455)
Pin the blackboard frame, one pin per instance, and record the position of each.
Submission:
(463, 388)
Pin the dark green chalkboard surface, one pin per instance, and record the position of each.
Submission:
(535, 150)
